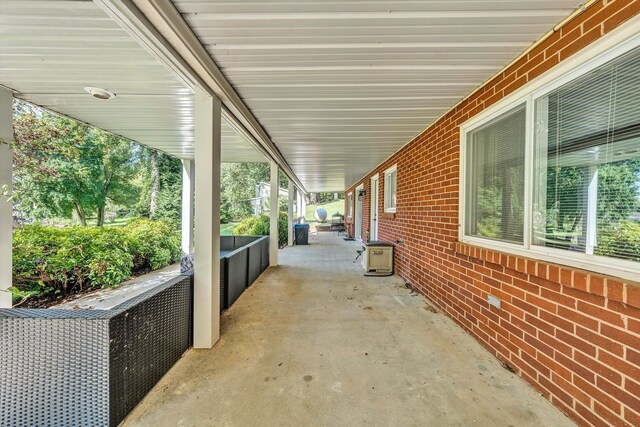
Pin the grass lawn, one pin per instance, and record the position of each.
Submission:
(225, 229)
(331, 208)
(118, 222)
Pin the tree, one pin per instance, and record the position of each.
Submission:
(238, 186)
(168, 204)
(618, 190)
(155, 183)
(62, 166)
(38, 135)
(47, 149)
(115, 173)
(169, 189)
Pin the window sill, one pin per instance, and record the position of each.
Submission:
(623, 269)
(566, 275)
(388, 215)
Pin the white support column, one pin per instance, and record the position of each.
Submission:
(6, 211)
(303, 207)
(290, 214)
(592, 209)
(188, 188)
(298, 204)
(273, 214)
(206, 307)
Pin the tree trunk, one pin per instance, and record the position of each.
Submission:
(155, 184)
(81, 214)
(100, 221)
(102, 206)
(335, 196)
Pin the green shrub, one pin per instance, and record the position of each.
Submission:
(154, 244)
(109, 258)
(259, 226)
(49, 260)
(620, 240)
(53, 260)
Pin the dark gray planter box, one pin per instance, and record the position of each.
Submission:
(243, 259)
(90, 367)
(254, 267)
(236, 280)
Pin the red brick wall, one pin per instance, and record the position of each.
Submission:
(574, 335)
(366, 210)
(348, 220)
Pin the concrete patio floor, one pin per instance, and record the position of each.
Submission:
(315, 343)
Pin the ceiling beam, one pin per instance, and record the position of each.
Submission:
(390, 14)
(363, 45)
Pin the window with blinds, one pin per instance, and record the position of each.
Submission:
(586, 195)
(495, 178)
(557, 177)
(350, 205)
(390, 178)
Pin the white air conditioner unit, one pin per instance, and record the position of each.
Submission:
(377, 259)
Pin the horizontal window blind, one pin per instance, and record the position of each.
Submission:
(390, 190)
(495, 178)
(587, 163)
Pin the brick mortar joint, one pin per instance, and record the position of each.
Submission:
(487, 255)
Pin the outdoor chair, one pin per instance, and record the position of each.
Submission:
(337, 223)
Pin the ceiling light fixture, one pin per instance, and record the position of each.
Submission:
(99, 93)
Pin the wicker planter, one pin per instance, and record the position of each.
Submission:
(91, 367)
(243, 259)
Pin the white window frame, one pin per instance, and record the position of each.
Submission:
(388, 172)
(598, 53)
(350, 204)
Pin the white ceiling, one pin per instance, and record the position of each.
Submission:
(338, 85)
(51, 49)
(341, 85)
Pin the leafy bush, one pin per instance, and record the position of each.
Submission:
(620, 241)
(154, 244)
(225, 215)
(259, 226)
(253, 225)
(59, 261)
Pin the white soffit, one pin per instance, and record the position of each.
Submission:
(341, 85)
(51, 49)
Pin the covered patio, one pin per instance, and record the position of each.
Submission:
(503, 310)
(314, 342)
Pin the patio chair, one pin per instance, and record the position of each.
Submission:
(337, 223)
